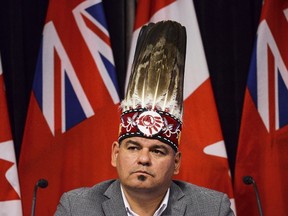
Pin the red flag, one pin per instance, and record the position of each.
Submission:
(262, 150)
(10, 199)
(204, 156)
(73, 112)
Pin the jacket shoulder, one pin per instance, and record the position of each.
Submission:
(84, 201)
(201, 200)
(188, 188)
(90, 192)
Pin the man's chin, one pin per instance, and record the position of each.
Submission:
(141, 182)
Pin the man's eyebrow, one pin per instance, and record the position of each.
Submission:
(165, 148)
(153, 146)
(132, 142)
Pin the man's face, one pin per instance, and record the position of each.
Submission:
(145, 164)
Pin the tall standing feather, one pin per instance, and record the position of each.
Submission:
(156, 81)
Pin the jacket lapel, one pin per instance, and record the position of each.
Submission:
(176, 204)
(114, 206)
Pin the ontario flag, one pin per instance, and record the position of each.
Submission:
(204, 160)
(263, 143)
(10, 199)
(73, 113)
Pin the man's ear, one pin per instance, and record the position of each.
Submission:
(177, 160)
(114, 154)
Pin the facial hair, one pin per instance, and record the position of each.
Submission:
(142, 178)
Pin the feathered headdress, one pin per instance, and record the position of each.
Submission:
(153, 104)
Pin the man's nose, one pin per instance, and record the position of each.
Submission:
(144, 157)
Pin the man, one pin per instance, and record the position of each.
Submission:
(146, 155)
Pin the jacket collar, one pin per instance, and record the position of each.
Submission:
(114, 206)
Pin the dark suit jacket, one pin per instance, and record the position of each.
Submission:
(106, 199)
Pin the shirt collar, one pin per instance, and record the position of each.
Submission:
(158, 212)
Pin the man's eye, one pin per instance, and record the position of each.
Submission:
(132, 148)
(158, 152)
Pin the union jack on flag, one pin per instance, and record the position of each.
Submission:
(73, 112)
(262, 148)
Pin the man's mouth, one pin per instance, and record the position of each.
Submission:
(142, 173)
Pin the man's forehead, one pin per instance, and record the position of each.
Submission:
(145, 141)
